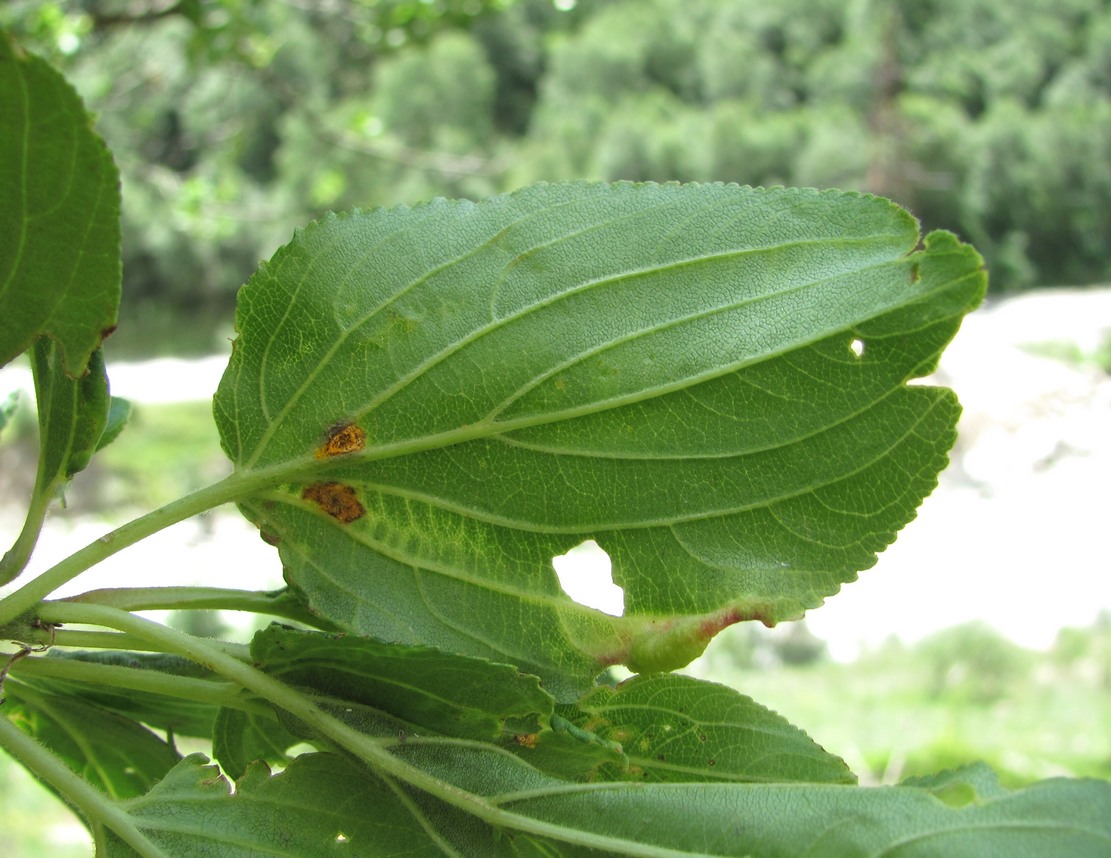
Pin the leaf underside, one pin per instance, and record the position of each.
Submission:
(319, 806)
(707, 380)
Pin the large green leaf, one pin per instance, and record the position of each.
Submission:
(324, 804)
(436, 401)
(59, 219)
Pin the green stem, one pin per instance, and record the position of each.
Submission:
(372, 751)
(229, 489)
(81, 639)
(15, 560)
(213, 692)
(89, 801)
(279, 604)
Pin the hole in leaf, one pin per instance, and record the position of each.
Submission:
(341, 838)
(585, 574)
(857, 347)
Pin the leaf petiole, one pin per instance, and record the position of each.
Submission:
(280, 603)
(231, 488)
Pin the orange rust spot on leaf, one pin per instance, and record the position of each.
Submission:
(336, 499)
(526, 740)
(343, 438)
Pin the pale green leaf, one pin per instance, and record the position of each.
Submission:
(60, 216)
(436, 401)
(9, 405)
(677, 728)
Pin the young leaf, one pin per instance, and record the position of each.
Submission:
(60, 218)
(441, 399)
(73, 413)
(676, 728)
(119, 414)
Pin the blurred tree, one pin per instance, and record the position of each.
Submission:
(235, 121)
(972, 663)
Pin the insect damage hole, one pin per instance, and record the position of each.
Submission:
(856, 346)
(586, 575)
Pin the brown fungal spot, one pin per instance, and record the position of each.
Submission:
(343, 438)
(336, 499)
(270, 538)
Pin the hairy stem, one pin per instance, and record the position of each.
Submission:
(278, 604)
(89, 801)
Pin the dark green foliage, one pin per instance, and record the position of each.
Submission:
(244, 120)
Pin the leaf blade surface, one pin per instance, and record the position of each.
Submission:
(449, 396)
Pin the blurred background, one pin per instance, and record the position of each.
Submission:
(985, 632)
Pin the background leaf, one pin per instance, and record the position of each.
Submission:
(60, 222)
(455, 393)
